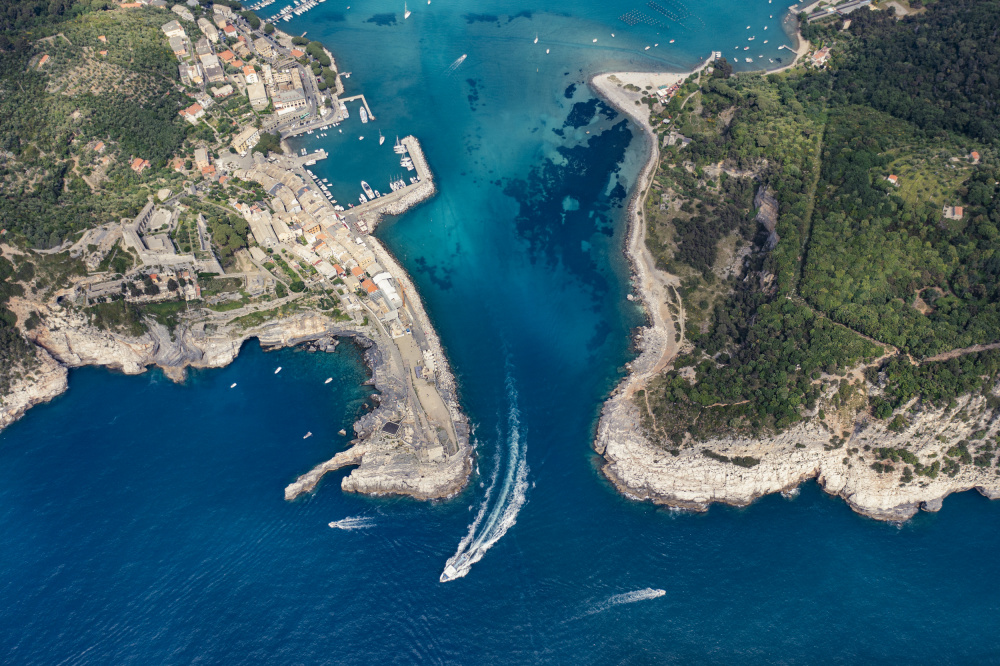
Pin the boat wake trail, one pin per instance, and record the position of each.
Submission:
(453, 66)
(504, 497)
(353, 523)
(626, 598)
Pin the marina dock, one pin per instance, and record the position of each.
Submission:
(364, 217)
(364, 101)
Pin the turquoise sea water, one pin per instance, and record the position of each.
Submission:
(144, 522)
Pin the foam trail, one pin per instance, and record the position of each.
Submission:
(353, 523)
(626, 598)
(495, 515)
(454, 65)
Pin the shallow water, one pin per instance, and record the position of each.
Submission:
(144, 521)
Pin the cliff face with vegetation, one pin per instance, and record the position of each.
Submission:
(832, 321)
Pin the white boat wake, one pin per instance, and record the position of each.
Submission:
(626, 598)
(454, 65)
(353, 523)
(497, 514)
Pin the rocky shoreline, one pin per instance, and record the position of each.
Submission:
(688, 479)
(385, 464)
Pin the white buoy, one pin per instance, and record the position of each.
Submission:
(278, 370)
(546, 50)
(329, 379)
(233, 385)
(595, 41)
(307, 435)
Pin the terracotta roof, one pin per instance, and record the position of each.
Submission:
(369, 286)
(357, 271)
(297, 53)
(227, 55)
(103, 52)
(103, 38)
(248, 69)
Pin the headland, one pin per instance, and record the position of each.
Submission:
(245, 241)
(690, 473)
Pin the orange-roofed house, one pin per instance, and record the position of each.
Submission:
(139, 165)
(227, 56)
(297, 53)
(340, 270)
(894, 179)
(193, 113)
(208, 171)
(223, 179)
(177, 164)
(104, 40)
(99, 147)
(237, 63)
(369, 287)
(357, 271)
(954, 212)
(230, 31)
(974, 156)
(130, 5)
(45, 59)
(249, 74)
(103, 53)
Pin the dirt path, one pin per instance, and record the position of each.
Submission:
(955, 353)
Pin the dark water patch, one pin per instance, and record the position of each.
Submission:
(334, 17)
(473, 95)
(570, 91)
(607, 110)
(441, 277)
(582, 113)
(600, 336)
(562, 207)
(617, 195)
(558, 131)
(521, 14)
(481, 18)
(383, 19)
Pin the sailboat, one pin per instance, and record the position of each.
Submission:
(536, 37)
(406, 12)
(381, 139)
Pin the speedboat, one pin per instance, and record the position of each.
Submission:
(368, 190)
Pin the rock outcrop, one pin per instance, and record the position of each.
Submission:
(40, 384)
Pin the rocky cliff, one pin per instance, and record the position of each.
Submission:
(695, 476)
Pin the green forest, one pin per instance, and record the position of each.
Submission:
(860, 272)
(51, 115)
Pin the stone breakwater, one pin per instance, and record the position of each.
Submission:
(385, 465)
(396, 203)
(397, 463)
(646, 470)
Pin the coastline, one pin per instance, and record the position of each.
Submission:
(385, 465)
(644, 470)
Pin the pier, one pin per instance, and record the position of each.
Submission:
(371, 116)
(364, 217)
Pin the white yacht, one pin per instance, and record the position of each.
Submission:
(368, 190)
(364, 115)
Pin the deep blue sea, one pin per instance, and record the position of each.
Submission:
(143, 522)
